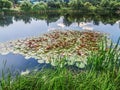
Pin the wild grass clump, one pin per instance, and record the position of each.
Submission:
(64, 79)
(106, 58)
(102, 72)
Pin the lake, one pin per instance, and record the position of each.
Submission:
(19, 26)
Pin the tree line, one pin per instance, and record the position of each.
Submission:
(69, 18)
(88, 5)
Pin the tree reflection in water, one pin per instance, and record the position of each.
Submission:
(69, 18)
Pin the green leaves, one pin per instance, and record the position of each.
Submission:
(26, 5)
(5, 4)
(39, 6)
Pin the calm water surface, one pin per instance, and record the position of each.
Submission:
(19, 27)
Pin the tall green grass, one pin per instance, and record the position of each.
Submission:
(102, 72)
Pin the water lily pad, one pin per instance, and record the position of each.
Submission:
(48, 48)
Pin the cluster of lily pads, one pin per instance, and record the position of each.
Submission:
(74, 46)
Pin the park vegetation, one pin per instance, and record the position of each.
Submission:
(83, 5)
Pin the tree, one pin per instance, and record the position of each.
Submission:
(39, 6)
(76, 4)
(53, 4)
(89, 6)
(94, 2)
(5, 4)
(1, 4)
(8, 4)
(14, 1)
(26, 5)
(114, 5)
(104, 3)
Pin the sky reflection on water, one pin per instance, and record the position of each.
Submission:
(17, 63)
(19, 29)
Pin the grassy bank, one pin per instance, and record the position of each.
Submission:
(63, 79)
(102, 72)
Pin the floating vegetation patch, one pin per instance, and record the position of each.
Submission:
(73, 46)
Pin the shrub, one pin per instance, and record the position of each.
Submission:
(26, 5)
(39, 6)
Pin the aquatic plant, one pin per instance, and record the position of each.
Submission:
(75, 45)
(102, 72)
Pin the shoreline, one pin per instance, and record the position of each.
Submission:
(58, 11)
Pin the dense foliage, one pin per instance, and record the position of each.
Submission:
(69, 17)
(53, 4)
(14, 1)
(26, 6)
(39, 6)
(85, 5)
(5, 4)
(76, 4)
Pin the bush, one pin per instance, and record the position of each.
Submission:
(26, 6)
(5, 4)
(39, 6)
